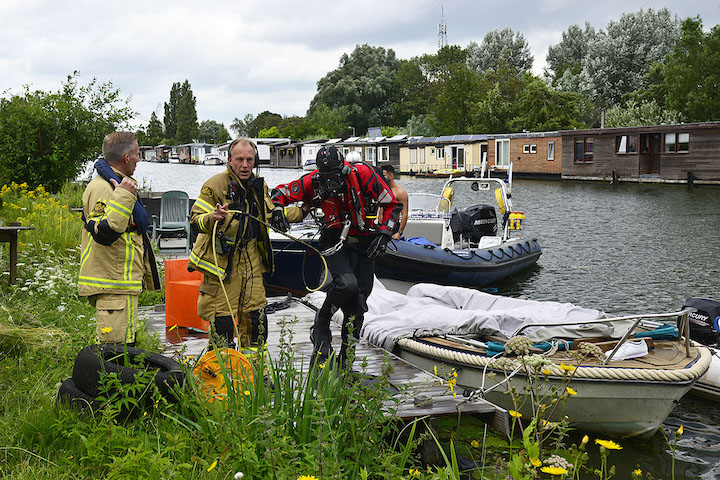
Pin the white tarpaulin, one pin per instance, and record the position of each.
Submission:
(431, 310)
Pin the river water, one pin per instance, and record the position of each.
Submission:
(622, 248)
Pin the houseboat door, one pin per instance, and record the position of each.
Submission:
(458, 157)
(650, 153)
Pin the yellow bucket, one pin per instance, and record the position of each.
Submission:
(209, 373)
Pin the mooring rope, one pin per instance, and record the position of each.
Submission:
(612, 373)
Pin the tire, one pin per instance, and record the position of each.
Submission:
(71, 396)
(94, 359)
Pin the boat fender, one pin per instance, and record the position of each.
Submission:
(500, 201)
(446, 200)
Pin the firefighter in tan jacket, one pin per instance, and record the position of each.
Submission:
(242, 244)
(116, 255)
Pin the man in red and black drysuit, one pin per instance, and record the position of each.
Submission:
(348, 194)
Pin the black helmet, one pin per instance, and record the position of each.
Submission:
(329, 161)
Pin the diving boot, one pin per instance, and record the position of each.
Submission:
(321, 338)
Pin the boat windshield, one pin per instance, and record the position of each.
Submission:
(423, 201)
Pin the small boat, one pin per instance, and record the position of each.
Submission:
(704, 328)
(309, 164)
(174, 158)
(449, 172)
(212, 159)
(625, 373)
(442, 244)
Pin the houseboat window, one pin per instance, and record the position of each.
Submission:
(583, 150)
(384, 153)
(432, 151)
(370, 154)
(626, 144)
(422, 155)
(291, 151)
(440, 153)
(533, 148)
(670, 145)
(502, 152)
(551, 151)
(526, 148)
(345, 151)
(683, 142)
(413, 155)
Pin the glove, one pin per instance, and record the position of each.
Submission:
(377, 247)
(278, 220)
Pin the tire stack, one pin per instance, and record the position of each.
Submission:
(80, 391)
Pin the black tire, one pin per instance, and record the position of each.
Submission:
(94, 359)
(71, 396)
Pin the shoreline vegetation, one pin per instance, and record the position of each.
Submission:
(287, 426)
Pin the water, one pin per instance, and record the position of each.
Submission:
(620, 248)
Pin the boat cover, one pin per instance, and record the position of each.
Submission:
(433, 310)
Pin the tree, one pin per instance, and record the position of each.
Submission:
(363, 83)
(242, 127)
(617, 60)
(181, 123)
(634, 114)
(154, 132)
(272, 132)
(459, 89)
(211, 131)
(418, 125)
(46, 137)
(567, 56)
(329, 122)
(540, 108)
(265, 121)
(497, 104)
(500, 46)
(412, 92)
(691, 75)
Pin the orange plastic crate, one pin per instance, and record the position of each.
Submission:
(181, 295)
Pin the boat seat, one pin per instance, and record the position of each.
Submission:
(432, 229)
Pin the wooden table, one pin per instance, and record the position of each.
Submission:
(10, 234)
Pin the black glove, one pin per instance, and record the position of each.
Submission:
(278, 220)
(378, 246)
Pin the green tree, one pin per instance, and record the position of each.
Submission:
(497, 105)
(540, 108)
(328, 122)
(213, 132)
(412, 92)
(363, 84)
(691, 75)
(264, 121)
(154, 132)
(499, 46)
(181, 124)
(634, 114)
(241, 127)
(46, 137)
(459, 90)
(566, 57)
(272, 132)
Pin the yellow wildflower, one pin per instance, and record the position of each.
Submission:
(174, 327)
(554, 470)
(570, 391)
(475, 444)
(435, 369)
(567, 368)
(609, 444)
(680, 430)
(585, 439)
(545, 371)
(535, 462)
(308, 477)
(247, 392)
(212, 465)
(106, 330)
(637, 472)
(414, 472)
(515, 414)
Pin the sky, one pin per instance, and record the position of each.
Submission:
(248, 56)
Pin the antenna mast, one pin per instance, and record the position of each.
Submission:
(442, 30)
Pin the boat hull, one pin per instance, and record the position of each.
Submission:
(603, 406)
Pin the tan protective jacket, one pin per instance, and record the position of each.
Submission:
(118, 267)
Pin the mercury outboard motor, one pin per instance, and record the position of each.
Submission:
(704, 326)
(474, 222)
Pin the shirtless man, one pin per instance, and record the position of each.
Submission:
(401, 196)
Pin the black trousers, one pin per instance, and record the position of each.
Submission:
(352, 282)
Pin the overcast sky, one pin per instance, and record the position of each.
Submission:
(248, 56)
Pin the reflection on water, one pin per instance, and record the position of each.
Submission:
(621, 248)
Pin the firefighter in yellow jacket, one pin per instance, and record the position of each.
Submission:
(242, 245)
(116, 253)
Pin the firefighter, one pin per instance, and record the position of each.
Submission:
(350, 239)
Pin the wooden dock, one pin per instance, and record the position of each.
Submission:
(418, 393)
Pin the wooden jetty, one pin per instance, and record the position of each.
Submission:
(419, 393)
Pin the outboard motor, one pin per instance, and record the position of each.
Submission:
(704, 326)
(474, 222)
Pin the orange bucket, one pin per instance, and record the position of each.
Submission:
(181, 295)
(209, 373)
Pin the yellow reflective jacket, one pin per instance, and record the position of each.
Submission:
(217, 190)
(113, 258)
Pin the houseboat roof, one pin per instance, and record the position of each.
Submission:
(643, 129)
(465, 138)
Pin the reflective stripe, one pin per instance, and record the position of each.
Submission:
(129, 255)
(206, 265)
(204, 205)
(86, 253)
(201, 223)
(108, 283)
(119, 209)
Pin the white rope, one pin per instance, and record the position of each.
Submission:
(696, 370)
